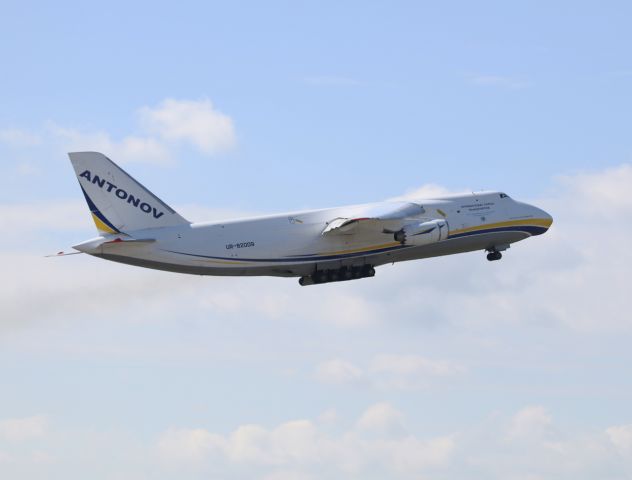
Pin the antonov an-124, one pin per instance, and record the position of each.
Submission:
(318, 246)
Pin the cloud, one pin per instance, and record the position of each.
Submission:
(413, 365)
(23, 429)
(162, 129)
(381, 417)
(303, 447)
(604, 193)
(529, 422)
(621, 438)
(188, 121)
(590, 211)
(387, 371)
(375, 443)
(18, 138)
(525, 445)
(128, 149)
(190, 445)
(338, 371)
(538, 280)
(530, 445)
(61, 215)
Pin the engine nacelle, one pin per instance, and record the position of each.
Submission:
(423, 233)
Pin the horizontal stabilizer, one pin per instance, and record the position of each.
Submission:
(62, 254)
(110, 242)
(131, 240)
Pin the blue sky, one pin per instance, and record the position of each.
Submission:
(442, 368)
(326, 95)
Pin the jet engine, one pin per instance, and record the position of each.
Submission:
(423, 233)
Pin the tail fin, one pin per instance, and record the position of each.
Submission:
(119, 203)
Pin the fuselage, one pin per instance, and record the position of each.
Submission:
(293, 244)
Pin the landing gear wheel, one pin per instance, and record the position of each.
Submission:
(337, 275)
(368, 271)
(492, 256)
(319, 276)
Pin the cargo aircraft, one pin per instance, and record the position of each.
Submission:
(318, 246)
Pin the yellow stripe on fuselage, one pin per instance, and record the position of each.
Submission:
(230, 262)
(539, 222)
(364, 249)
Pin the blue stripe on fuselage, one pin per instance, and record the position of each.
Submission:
(532, 230)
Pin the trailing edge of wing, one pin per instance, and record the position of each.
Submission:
(377, 214)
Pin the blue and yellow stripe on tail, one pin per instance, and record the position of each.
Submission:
(102, 223)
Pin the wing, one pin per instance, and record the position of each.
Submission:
(380, 217)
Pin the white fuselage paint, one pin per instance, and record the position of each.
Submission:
(292, 244)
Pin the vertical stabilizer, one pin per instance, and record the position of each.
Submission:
(119, 203)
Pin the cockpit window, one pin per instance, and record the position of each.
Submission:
(504, 195)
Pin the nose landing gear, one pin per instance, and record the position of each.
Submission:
(494, 255)
(494, 252)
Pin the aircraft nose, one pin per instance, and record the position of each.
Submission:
(544, 219)
(545, 215)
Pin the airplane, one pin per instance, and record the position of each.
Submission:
(318, 246)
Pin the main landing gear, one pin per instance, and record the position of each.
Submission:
(337, 275)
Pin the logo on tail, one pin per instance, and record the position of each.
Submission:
(121, 194)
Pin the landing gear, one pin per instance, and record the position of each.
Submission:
(337, 275)
(492, 256)
(493, 252)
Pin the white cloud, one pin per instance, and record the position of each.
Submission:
(60, 215)
(531, 421)
(128, 149)
(621, 437)
(388, 371)
(18, 138)
(289, 475)
(530, 445)
(338, 371)
(605, 193)
(301, 446)
(413, 365)
(190, 445)
(162, 129)
(381, 417)
(377, 444)
(570, 258)
(328, 417)
(195, 122)
(23, 429)
(574, 275)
